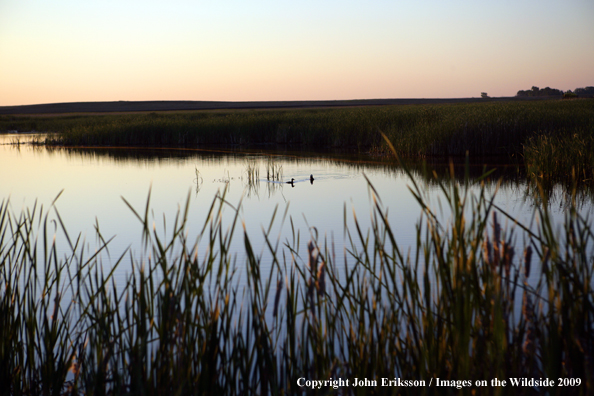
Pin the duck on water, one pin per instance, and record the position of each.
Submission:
(292, 182)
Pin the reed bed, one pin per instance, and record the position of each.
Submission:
(526, 132)
(426, 130)
(472, 301)
(562, 156)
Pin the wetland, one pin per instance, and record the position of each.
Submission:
(176, 242)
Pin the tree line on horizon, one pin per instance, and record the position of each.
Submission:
(536, 91)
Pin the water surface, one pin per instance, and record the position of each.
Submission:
(92, 182)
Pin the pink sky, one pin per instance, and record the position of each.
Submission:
(67, 51)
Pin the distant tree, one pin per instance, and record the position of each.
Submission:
(588, 91)
(535, 91)
(550, 92)
(484, 95)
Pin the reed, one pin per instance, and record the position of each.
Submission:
(517, 130)
(562, 156)
(514, 129)
(469, 302)
(451, 129)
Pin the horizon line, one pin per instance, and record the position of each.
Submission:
(183, 105)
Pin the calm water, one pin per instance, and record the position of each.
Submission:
(93, 183)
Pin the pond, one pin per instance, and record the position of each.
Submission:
(92, 185)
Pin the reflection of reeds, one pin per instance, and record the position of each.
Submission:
(252, 171)
(274, 170)
(253, 177)
(198, 180)
(274, 187)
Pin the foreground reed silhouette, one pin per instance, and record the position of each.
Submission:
(471, 301)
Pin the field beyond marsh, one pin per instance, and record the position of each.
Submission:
(555, 138)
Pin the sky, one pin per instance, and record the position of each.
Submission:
(70, 51)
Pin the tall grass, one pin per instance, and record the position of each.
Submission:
(562, 156)
(445, 130)
(472, 301)
(523, 131)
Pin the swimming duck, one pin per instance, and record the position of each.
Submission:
(311, 178)
(291, 182)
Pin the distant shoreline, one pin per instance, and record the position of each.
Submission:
(183, 105)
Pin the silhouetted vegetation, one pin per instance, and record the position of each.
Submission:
(578, 92)
(535, 91)
(468, 302)
(519, 130)
(588, 91)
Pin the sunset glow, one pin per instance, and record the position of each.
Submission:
(66, 51)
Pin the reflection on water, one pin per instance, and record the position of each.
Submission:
(94, 181)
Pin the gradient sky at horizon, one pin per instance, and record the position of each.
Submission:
(67, 51)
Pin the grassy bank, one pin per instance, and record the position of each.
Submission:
(472, 301)
(445, 130)
(552, 136)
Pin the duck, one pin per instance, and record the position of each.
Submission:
(311, 178)
(292, 181)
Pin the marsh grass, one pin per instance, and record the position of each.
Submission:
(562, 156)
(522, 131)
(445, 130)
(471, 301)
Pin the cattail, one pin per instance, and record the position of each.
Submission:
(527, 260)
(509, 253)
(496, 253)
(322, 279)
(496, 242)
(313, 258)
(528, 312)
(496, 228)
(487, 252)
(74, 366)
